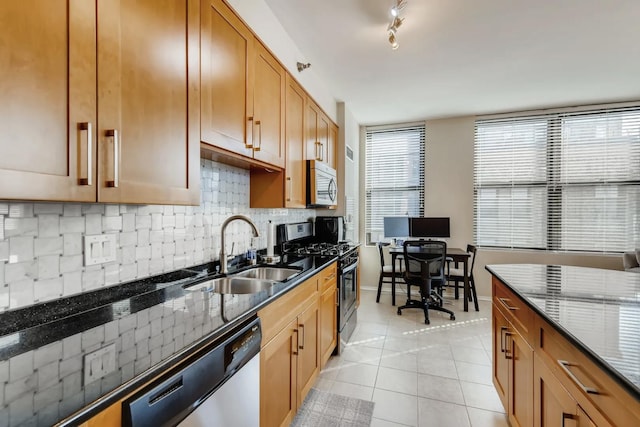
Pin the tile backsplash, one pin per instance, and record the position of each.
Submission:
(41, 244)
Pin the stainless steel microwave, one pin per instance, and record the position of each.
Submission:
(322, 185)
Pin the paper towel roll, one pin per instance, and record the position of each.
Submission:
(271, 234)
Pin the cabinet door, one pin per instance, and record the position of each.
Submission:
(332, 146)
(308, 350)
(295, 182)
(278, 376)
(520, 356)
(226, 73)
(313, 145)
(323, 136)
(553, 405)
(47, 81)
(329, 323)
(500, 361)
(268, 107)
(148, 101)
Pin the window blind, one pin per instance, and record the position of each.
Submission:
(564, 181)
(394, 175)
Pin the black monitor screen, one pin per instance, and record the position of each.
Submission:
(396, 226)
(430, 227)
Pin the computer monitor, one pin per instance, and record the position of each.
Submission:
(396, 226)
(429, 227)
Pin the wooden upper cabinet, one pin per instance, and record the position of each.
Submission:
(48, 108)
(144, 61)
(295, 181)
(243, 88)
(322, 135)
(226, 97)
(268, 107)
(148, 101)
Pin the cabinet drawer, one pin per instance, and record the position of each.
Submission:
(276, 315)
(514, 309)
(328, 277)
(605, 401)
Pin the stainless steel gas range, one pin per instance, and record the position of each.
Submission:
(299, 239)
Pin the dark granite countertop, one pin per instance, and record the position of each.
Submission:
(155, 322)
(597, 310)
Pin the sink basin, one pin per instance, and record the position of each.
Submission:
(268, 273)
(233, 285)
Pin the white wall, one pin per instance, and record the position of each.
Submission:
(449, 192)
(348, 170)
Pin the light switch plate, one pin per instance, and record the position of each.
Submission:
(99, 363)
(99, 249)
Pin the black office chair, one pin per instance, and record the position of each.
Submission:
(424, 267)
(386, 273)
(456, 275)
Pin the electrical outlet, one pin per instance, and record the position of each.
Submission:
(99, 249)
(99, 363)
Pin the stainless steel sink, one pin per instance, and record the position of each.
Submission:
(233, 285)
(268, 273)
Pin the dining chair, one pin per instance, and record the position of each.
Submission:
(386, 272)
(456, 275)
(424, 267)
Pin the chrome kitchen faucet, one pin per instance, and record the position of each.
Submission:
(223, 253)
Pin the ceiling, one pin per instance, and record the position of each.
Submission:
(468, 57)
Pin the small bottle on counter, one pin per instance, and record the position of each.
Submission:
(252, 254)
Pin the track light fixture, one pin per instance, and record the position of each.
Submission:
(396, 22)
(302, 67)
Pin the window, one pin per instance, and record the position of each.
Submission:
(564, 181)
(394, 183)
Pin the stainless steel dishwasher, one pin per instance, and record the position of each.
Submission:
(219, 388)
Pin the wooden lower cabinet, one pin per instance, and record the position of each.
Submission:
(328, 285)
(512, 370)
(543, 379)
(290, 355)
(552, 403)
(279, 377)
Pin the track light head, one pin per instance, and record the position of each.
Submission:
(302, 67)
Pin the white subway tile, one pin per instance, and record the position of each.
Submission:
(4, 208)
(20, 227)
(48, 208)
(72, 224)
(93, 224)
(143, 237)
(143, 252)
(72, 282)
(92, 278)
(48, 225)
(128, 222)
(128, 238)
(72, 244)
(48, 246)
(112, 210)
(94, 208)
(143, 221)
(69, 264)
(142, 268)
(112, 274)
(168, 221)
(128, 255)
(156, 221)
(20, 210)
(71, 209)
(92, 337)
(48, 266)
(156, 236)
(47, 289)
(111, 223)
(156, 250)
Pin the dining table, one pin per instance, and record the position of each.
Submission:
(456, 255)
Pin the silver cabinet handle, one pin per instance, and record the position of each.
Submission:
(86, 126)
(503, 329)
(249, 143)
(565, 417)
(565, 365)
(256, 147)
(507, 306)
(301, 326)
(113, 133)
(322, 151)
(294, 350)
(508, 350)
(318, 145)
(289, 189)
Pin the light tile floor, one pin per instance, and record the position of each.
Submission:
(417, 374)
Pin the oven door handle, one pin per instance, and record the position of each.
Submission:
(350, 268)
